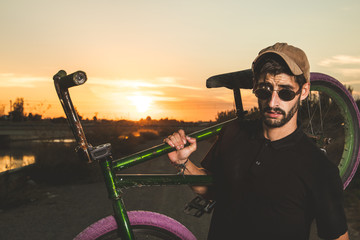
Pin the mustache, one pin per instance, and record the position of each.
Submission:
(277, 110)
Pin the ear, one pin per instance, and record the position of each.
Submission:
(305, 91)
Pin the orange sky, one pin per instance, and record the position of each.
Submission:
(151, 58)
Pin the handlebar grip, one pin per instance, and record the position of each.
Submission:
(67, 81)
(59, 75)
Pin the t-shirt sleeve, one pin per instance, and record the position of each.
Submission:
(209, 159)
(329, 208)
(213, 159)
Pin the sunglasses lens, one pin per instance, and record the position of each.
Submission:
(262, 93)
(286, 94)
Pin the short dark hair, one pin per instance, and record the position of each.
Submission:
(274, 65)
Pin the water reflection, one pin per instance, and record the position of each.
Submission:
(54, 141)
(19, 154)
(139, 132)
(9, 162)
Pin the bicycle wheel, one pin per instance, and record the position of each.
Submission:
(331, 117)
(145, 225)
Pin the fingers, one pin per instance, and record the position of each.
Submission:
(190, 139)
(182, 136)
(177, 139)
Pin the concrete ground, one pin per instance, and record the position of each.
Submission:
(61, 212)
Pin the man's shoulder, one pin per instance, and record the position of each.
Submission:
(243, 124)
(241, 127)
(313, 154)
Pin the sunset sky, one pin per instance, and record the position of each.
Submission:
(152, 57)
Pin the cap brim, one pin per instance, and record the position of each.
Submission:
(294, 68)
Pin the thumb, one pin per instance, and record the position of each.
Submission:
(192, 142)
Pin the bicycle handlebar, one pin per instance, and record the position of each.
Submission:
(62, 83)
(67, 81)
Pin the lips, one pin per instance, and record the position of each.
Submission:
(273, 112)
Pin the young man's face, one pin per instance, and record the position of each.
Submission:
(275, 111)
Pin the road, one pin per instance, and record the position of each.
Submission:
(61, 212)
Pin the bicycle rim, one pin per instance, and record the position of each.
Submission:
(145, 225)
(143, 233)
(330, 116)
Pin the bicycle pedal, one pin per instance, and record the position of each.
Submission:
(198, 206)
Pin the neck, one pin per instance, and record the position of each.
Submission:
(274, 134)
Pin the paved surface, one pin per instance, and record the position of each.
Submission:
(61, 212)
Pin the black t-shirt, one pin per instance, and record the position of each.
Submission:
(272, 190)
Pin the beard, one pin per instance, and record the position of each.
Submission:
(276, 123)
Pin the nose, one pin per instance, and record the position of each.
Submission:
(274, 100)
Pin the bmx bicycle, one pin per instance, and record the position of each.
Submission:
(329, 116)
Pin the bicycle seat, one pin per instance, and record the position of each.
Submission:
(233, 80)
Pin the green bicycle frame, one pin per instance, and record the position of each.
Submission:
(161, 149)
(115, 181)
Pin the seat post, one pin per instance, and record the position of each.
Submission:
(238, 103)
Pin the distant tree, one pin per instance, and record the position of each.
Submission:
(225, 115)
(2, 110)
(77, 112)
(95, 117)
(34, 117)
(350, 89)
(17, 114)
(59, 120)
(254, 113)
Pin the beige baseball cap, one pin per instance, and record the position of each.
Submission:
(294, 57)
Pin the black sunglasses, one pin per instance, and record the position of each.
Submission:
(265, 91)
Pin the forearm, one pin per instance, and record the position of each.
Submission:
(192, 169)
(343, 237)
(180, 157)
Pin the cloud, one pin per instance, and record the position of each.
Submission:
(159, 89)
(350, 72)
(6, 75)
(340, 60)
(355, 82)
(12, 80)
(164, 82)
(120, 83)
(347, 66)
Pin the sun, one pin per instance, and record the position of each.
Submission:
(142, 103)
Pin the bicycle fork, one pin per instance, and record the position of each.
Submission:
(103, 154)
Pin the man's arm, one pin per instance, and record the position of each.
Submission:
(345, 236)
(192, 169)
(180, 156)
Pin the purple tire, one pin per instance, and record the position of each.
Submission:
(348, 108)
(150, 224)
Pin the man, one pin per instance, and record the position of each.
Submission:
(271, 181)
